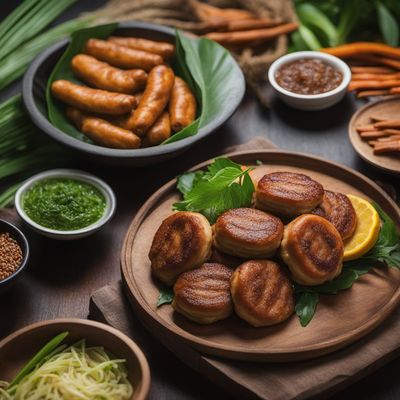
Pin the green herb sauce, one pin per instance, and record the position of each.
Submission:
(64, 204)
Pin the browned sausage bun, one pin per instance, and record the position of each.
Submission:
(103, 132)
(182, 106)
(103, 76)
(121, 56)
(93, 100)
(155, 97)
(160, 131)
(164, 49)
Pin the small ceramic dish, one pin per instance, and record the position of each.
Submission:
(75, 175)
(20, 238)
(19, 347)
(310, 102)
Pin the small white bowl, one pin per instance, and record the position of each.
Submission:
(310, 102)
(76, 175)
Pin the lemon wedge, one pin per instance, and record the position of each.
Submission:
(367, 231)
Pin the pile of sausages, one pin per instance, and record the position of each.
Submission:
(133, 99)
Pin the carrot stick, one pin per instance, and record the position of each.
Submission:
(387, 147)
(370, 93)
(390, 123)
(250, 24)
(378, 60)
(206, 11)
(395, 90)
(373, 134)
(371, 70)
(389, 138)
(375, 77)
(365, 128)
(235, 38)
(393, 131)
(377, 118)
(354, 85)
(357, 48)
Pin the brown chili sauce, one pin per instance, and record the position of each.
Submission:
(308, 76)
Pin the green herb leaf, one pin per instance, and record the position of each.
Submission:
(212, 74)
(306, 303)
(388, 25)
(348, 18)
(186, 181)
(166, 296)
(309, 38)
(312, 17)
(224, 186)
(38, 357)
(63, 70)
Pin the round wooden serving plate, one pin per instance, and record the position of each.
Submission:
(388, 108)
(339, 320)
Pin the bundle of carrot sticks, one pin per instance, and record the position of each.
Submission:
(383, 134)
(375, 67)
(235, 28)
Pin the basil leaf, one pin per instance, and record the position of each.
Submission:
(306, 304)
(166, 296)
(387, 25)
(63, 70)
(216, 79)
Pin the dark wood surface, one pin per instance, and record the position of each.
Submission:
(62, 275)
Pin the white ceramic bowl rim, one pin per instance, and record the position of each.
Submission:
(332, 60)
(75, 174)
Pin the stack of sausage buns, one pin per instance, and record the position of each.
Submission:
(248, 260)
(133, 98)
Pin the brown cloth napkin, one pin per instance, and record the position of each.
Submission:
(301, 380)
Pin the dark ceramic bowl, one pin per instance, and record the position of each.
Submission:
(33, 94)
(20, 238)
(19, 347)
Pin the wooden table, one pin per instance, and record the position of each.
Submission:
(62, 275)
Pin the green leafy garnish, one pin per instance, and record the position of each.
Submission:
(387, 25)
(166, 296)
(386, 251)
(212, 74)
(223, 186)
(38, 358)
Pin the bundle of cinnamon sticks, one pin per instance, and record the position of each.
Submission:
(383, 134)
(235, 28)
(375, 67)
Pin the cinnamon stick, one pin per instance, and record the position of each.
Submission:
(390, 123)
(387, 147)
(354, 85)
(369, 93)
(371, 70)
(241, 37)
(364, 128)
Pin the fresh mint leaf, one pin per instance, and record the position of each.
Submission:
(166, 296)
(223, 186)
(306, 303)
(186, 181)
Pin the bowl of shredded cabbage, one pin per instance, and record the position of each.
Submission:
(72, 359)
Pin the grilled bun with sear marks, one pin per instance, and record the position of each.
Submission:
(312, 249)
(203, 294)
(288, 193)
(247, 233)
(182, 242)
(261, 292)
(338, 210)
